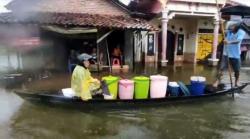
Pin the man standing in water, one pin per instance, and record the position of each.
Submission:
(231, 52)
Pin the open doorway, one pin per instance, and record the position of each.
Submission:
(170, 47)
(170, 53)
(115, 44)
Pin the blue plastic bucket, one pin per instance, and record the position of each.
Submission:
(174, 89)
(197, 86)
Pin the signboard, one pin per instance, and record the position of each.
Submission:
(24, 44)
(32, 41)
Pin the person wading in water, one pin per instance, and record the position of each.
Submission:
(231, 52)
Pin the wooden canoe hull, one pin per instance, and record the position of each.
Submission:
(60, 100)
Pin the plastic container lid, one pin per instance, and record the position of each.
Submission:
(194, 78)
(126, 81)
(201, 79)
(173, 84)
(158, 77)
(110, 78)
(141, 78)
(198, 78)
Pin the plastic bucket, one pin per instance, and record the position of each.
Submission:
(198, 84)
(158, 86)
(141, 87)
(126, 89)
(174, 89)
(112, 82)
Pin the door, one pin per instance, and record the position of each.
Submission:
(170, 46)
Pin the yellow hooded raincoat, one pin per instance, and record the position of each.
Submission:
(82, 83)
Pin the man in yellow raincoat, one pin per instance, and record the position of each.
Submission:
(82, 82)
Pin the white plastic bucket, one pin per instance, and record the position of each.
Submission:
(126, 89)
(158, 86)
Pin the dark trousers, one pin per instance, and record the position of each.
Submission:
(243, 55)
(235, 63)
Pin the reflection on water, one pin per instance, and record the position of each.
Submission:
(200, 120)
(9, 104)
(219, 118)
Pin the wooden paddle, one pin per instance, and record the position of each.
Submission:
(223, 35)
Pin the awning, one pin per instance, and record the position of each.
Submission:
(236, 10)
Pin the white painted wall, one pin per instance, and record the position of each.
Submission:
(178, 23)
(189, 30)
(191, 38)
(192, 7)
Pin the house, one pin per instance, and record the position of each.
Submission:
(189, 29)
(44, 32)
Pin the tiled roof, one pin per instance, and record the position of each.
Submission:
(93, 13)
(73, 19)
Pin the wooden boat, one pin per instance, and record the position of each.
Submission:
(58, 99)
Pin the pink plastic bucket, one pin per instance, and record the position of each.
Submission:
(158, 86)
(126, 89)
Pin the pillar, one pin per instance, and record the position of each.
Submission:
(164, 36)
(213, 61)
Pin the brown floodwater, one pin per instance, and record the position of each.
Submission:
(219, 118)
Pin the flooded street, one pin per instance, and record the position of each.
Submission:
(42, 42)
(220, 118)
